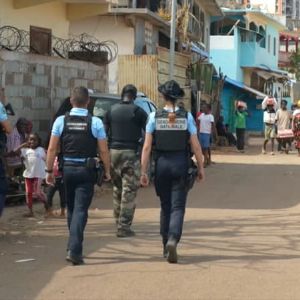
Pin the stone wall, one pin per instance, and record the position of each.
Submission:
(36, 85)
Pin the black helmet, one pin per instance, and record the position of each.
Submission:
(171, 89)
(129, 89)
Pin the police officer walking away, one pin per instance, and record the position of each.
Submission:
(174, 134)
(124, 123)
(5, 128)
(79, 135)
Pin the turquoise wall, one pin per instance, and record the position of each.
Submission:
(228, 59)
(252, 54)
(229, 96)
(245, 54)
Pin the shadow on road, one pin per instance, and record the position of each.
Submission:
(256, 236)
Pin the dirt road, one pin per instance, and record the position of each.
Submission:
(241, 241)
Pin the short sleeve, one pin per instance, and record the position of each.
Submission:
(98, 130)
(24, 152)
(42, 152)
(151, 123)
(58, 126)
(191, 125)
(3, 114)
(212, 119)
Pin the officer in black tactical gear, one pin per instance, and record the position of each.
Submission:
(80, 136)
(124, 123)
(173, 133)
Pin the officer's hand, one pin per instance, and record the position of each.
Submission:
(144, 180)
(107, 177)
(201, 174)
(50, 180)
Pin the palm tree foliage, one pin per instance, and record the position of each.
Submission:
(295, 64)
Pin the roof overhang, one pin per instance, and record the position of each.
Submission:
(27, 3)
(17, 4)
(255, 14)
(245, 87)
(211, 7)
(142, 13)
(267, 73)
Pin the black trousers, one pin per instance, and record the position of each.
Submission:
(170, 175)
(79, 186)
(240, 135)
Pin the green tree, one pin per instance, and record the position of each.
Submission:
(295, 64)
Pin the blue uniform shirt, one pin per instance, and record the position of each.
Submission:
(98, 130)
(3, 114)
(150, 128)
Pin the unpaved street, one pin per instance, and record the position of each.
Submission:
(241, 241)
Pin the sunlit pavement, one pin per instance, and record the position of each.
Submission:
(241, 241)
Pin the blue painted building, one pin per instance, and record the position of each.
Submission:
(245, 48)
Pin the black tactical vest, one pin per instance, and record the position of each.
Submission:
(171, 137)
(125, 131)
(77, 139)
(3, 140)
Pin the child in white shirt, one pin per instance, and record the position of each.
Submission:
(34, 157)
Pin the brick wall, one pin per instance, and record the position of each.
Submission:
(36, 85)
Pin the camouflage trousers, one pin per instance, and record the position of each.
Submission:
(126, 180)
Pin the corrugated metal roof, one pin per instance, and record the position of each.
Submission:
(245, 87)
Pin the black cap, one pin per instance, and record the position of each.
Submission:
(171, 89)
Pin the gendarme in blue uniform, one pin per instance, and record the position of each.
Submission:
(79, 133)
(172, 159)
(97, 127)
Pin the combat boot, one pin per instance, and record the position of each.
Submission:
(124, 233)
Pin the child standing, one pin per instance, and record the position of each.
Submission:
(207, 126)
(34, 157)
(58, 186)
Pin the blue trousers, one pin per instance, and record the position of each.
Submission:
(3, 187)
(170, 179)
(79, 187)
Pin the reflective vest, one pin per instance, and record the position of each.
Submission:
(77, 139)
(171, 136)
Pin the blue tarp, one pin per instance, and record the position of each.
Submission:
(243, 86)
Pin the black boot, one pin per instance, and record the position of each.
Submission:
(125, 233)
(74, 259)
(165, 251)
(171, 249)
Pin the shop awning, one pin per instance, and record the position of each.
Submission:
(245, 87)
(267, 73)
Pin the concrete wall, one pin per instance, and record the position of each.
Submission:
(49, 15)
(35, 85)
(108, 28)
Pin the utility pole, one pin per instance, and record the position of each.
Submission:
(172, 39)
